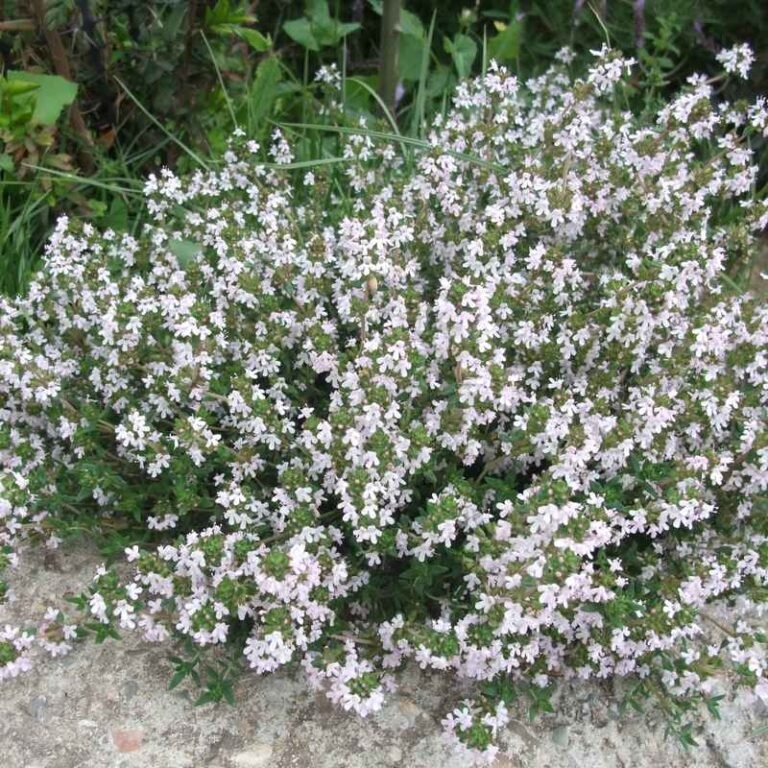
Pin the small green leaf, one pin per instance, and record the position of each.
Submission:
(6, 162)
(18, 87)
(177, 678)
(184, 251)
(713, 705)
(346, 28)
(463, 50)
(254, 38)
(300, 31)
(208, 697)
(117, 216)
(686, 737)
(223, 15)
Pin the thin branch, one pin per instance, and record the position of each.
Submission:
(17, 25)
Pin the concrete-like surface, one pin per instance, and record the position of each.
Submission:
(108, 707)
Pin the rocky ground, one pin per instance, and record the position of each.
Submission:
(109, 706)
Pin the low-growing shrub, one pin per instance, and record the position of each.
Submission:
(490, 406)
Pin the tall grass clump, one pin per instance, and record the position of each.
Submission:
(487, 404)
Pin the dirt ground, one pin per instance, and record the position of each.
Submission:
(108, 706)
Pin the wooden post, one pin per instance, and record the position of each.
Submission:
(61, 67)
(390, 49)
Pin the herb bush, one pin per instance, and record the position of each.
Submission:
(490, 406)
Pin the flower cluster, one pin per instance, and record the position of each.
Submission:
(737, 60)
(492, 409)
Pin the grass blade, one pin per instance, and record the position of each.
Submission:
(199, 160)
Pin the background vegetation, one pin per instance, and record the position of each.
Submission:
(96, 94)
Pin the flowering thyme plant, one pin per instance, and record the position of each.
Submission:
(492, 410)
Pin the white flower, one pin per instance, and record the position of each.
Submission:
(737, 60)
(132, 553)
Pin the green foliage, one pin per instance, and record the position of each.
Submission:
(31, 105)
(223, 19)
(215, 680)
(184, 250)
(505, 46)
(422, 590)
(51, 94)
(317, 29)
(154, 79)
(463, 50)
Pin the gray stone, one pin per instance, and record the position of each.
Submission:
(560, 736)
(256, 756)
(38, 707)
(130, 689)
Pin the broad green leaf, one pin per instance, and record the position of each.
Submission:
(410, 24)
(441, 80)
(463, 50)
(254, 38)
(6, 162)
(411, 57)
(347, 28)
(262, 92)
(54, 93)
(117, 216)
(326, 34)
(358, 91)
(184, 251)
(218, 14)
(173, 21)
(326, 30)
(506, 45)
(317, 10)
(300, 31)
